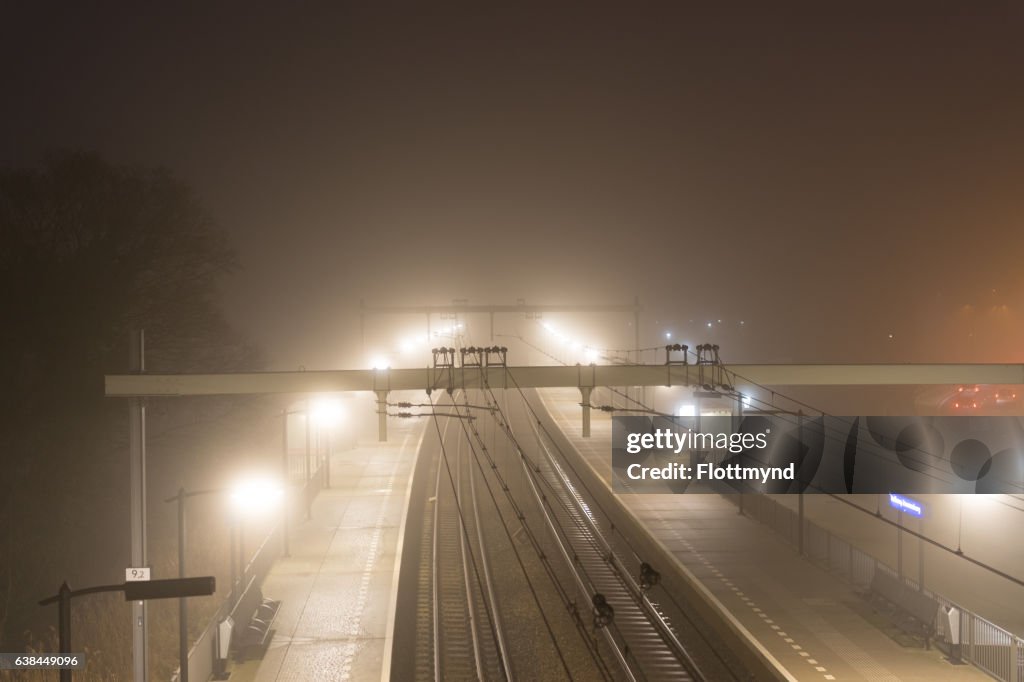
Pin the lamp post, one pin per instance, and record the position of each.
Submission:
(286, 477)
(182, 602)
(286, 470)
(252, 497)
(133, 592)
(244, 497)
(308, 467)
(326, 412)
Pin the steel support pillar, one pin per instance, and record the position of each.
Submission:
(64, 626)
(899, 544)
(920, 555)
(362, 330)
(137, 469)
(800, 501)
(182, 601)
(739, 424)
(308, 467)
(286, 477)
(382, 415)
(585, 402)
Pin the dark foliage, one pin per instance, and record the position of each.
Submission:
(88, 252)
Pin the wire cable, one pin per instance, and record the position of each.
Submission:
(522, 566)
(465, 533)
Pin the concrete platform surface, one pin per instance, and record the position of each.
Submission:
(806, 618)
(338, 585)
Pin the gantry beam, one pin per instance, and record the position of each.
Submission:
(326, 381)
(521, 306)
(582, 377)
(508, 308)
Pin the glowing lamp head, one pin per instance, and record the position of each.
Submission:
(254, 496)
(325, 411)
(686, 410)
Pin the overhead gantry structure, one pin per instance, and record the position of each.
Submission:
(453, 376)
(463, 307)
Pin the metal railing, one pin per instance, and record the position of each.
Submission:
(984, 644)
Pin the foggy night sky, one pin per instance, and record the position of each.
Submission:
(839, 163)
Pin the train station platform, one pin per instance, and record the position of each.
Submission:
(806, 619)
(339, 584)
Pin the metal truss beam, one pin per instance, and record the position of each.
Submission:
(327, 381)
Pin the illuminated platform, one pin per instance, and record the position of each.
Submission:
(801, 616)
(338, 586)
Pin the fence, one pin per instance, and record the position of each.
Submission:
(987, 646)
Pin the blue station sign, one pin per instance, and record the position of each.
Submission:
(906, 505)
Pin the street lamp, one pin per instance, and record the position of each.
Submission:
(246, 497)
(133, 591)
(250, 498)
(183, 603)
(326, 413)
(254, 496)
(286, 472)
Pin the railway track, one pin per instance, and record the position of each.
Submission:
(641, 637)
(467, 633)
(506, 521)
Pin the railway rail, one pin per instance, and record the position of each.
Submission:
(517, 579)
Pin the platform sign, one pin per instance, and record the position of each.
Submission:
(906, 505)
(132, 575)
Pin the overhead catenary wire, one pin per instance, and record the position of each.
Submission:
(679, 607)
(840, 498)
(519, 560)
(732, 392)
(535, 544)
(920, 458)
(574, 555)
(643, 408)
(465, 533)
(789, 420)
(794, 422)
(600, 508)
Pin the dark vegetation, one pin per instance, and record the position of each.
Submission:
(89, 252)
